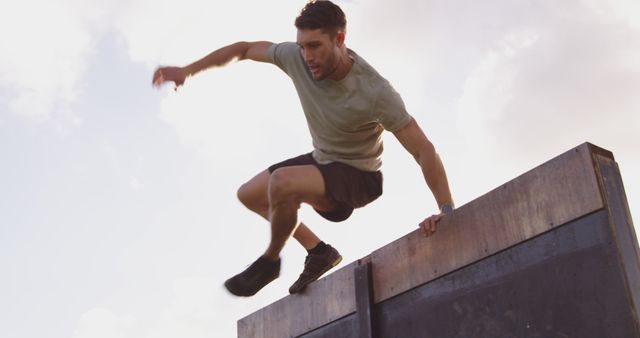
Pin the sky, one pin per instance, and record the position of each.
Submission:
(118, 208)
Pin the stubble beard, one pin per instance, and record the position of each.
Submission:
(332, 65)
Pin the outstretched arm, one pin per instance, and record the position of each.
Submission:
(256, 51)
(415, 141)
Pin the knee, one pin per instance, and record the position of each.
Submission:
(250, 198)
(282, 188)
(244, 195)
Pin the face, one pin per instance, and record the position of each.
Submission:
(319, 51)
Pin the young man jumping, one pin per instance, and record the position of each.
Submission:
(347, 105)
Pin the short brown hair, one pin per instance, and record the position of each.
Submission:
(322, 14)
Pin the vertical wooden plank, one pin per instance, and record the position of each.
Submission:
(621, 227)
(364, 299)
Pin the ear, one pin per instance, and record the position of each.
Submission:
(340, 38)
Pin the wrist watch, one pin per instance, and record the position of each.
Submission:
(446, 209)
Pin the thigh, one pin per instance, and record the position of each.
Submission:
(256, 189)
(303, 183)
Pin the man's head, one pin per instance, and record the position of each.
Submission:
(324, 15)
(321, 33)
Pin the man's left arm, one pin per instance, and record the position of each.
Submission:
(418, 145)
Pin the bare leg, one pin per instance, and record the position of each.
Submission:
(277, 198)
(254, 195)
(288, 188)
(306, 237)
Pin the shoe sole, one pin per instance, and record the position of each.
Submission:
(242, 292)
(238, 292)
(331, 266)
(322, 272)
(234, 291)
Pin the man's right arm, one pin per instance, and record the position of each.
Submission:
(256, 51)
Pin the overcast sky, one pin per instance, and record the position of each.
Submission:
(118, 209)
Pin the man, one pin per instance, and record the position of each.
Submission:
(347, 105)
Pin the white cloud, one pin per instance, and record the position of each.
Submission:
(103, 323)
(135, 184)
(625, 11)
(197, 310)
(487, 92)
(165, 31)
(215, 110)
(46, 50)
(568, 76)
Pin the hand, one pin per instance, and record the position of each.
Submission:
(429, 225)
(166, 74)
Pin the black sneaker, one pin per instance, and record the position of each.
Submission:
(254, 278)
(315, 266)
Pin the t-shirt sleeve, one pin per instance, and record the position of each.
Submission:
(390, 110)
(284, 55)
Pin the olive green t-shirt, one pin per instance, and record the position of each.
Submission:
(346, 118)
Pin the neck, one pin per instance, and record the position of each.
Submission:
(343, 66)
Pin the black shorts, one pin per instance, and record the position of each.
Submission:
(346, 186)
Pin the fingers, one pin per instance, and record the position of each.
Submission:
(429, 225)
(167, 74)
(158, 78)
